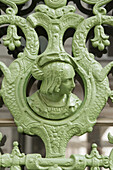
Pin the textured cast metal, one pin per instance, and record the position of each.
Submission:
(53, 112)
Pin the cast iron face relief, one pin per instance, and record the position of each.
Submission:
(54, 99)
(53, 112)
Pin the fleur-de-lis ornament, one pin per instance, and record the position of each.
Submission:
(12, 39)
(100, 40)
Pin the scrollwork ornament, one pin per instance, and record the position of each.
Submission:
(53, 112)
(11, 10)
(9, 2)
(96, 1)
(55, 13)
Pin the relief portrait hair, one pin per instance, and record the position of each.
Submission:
(37, 73)
(51, 75)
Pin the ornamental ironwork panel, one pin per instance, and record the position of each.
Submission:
(53, 112)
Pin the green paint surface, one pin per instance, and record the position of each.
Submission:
(53, 112)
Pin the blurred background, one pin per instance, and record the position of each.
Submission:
(104, 125)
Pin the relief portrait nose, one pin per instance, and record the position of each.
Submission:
(73, 84)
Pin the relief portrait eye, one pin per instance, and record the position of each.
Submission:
(54, 99)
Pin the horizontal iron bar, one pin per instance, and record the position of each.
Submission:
(34, 161)
(11, 123)
(7, 123)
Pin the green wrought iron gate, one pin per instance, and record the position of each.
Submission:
(54, 111)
